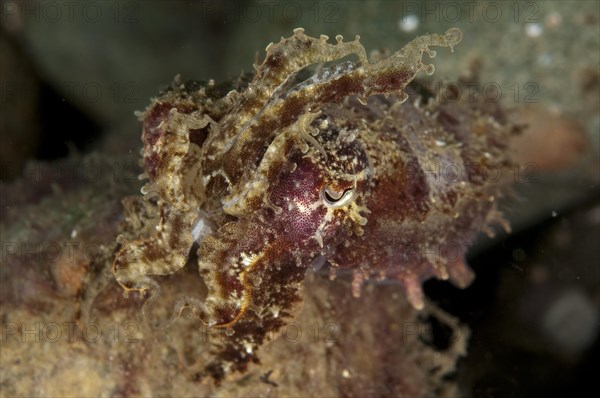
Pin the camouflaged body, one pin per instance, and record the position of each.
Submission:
(268, 177)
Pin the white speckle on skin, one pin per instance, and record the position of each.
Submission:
(305, 208)
(200, 229)
(247, 259)
(275, 311)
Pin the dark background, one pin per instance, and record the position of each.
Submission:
(73, 74)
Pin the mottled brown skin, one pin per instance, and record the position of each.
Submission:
(427, 200)
(274, 176)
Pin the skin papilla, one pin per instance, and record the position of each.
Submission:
(267, 176)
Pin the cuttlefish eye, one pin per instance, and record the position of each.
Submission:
(336, 199)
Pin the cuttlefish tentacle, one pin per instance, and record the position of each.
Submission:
(390, 75)
(245, 255)
(163, 253)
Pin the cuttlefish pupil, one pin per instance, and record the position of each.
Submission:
(336, 199)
